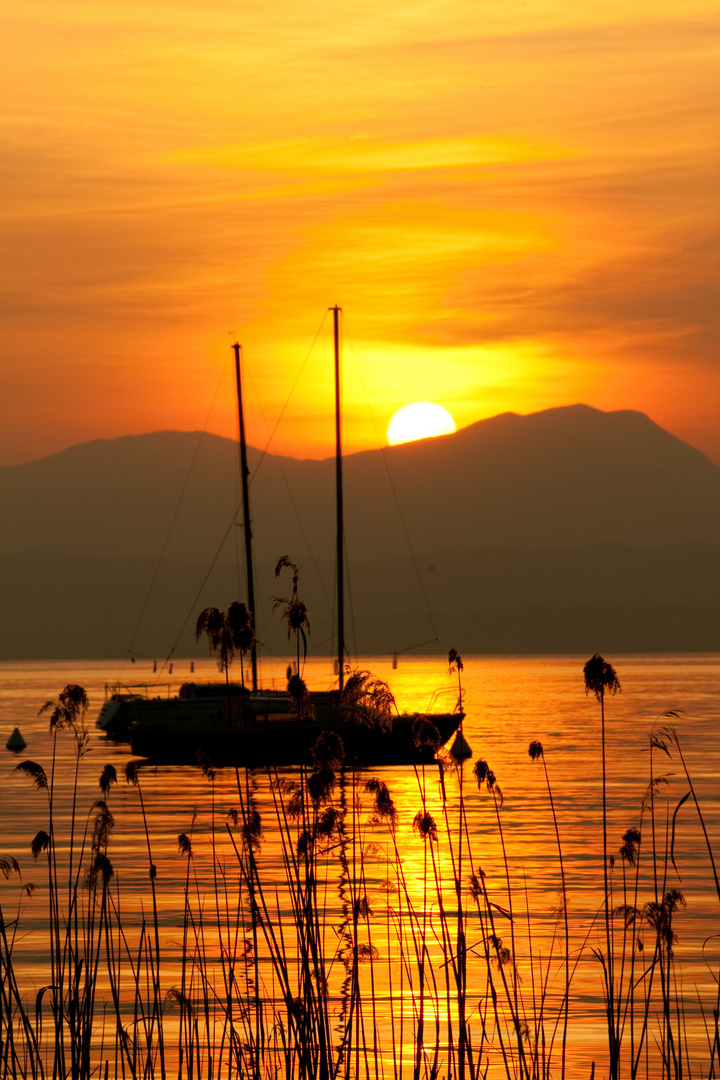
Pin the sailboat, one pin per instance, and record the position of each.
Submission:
(254, 727)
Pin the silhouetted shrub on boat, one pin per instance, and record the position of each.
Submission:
(366, 700)
(229, 634)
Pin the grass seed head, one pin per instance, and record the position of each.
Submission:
(240, 625)
(69, 709)
(455, 662)
(103, 826)
(184, 845)
(366, 700)
(628, 912)
(205, 764)
(425, 735)
(321, 784)
(35, 771)
(364, 953)
(486, 778)
(384, 808)
(600, 677)
(424, 825)
(476, 888)
(327, 822)
(361, 908)
(328, 749)
(302, 704)
(176, 997)
(9, 865)
(294, 805)
(630, 846)
(100, 867)
(502, 953)
(306, 842)
(535, 750)
(252, 830)
(108, 777)
(41, 842)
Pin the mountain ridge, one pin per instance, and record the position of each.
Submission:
(562, 476)
(577, 409)
(527, 517)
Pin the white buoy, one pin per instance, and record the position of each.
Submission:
(16, 741)
(461, 747)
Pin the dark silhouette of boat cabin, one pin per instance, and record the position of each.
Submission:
(235, 726)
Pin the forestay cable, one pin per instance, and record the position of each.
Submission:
(395, 497)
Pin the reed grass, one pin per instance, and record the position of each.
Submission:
(368, 955)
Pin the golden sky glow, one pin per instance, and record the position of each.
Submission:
(515, 205)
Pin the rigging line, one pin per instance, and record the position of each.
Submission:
(178, 507)
(278, 459)
(350, 596)
(418, 645)
(433, 627)
(202, 586)
(289, 397)
(237, 510)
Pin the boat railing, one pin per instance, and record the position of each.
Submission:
(136, 690)
(443, 696)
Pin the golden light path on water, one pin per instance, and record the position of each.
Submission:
(509, 701)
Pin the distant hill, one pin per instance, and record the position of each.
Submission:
(566, 529)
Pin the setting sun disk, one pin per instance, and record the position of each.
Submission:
(421, 420)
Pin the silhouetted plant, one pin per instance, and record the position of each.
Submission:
(671, 734)
(302, 704)
(271, 986)
(69, 709)
(328, 749)
(455, 664)
(536, 753)
(293, 609)
(601, 679)
(425, 734)
(228, 634)
(366, 700)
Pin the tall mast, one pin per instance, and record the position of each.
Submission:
(244, 473)
(339, 502)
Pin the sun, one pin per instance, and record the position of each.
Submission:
(421, 420)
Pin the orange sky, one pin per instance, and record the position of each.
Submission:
(515, 204)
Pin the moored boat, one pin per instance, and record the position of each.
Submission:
(240, 726)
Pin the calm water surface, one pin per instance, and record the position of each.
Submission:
(509, 702)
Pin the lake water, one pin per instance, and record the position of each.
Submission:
(509, 702)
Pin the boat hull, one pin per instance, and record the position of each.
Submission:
(282, 740)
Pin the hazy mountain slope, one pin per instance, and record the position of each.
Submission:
(607, 598)
(527, 533)
(557, 478)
